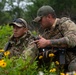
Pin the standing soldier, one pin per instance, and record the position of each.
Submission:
(60, 33)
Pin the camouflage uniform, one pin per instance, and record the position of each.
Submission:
(64, 28)
(23, 46)
(61, 34)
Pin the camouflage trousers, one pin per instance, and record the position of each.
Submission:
(72, 65)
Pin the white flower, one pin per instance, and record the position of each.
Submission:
(40, 73)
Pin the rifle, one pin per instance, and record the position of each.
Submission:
(46, 51)
(7, 46)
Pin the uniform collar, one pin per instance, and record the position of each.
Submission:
(55, 23)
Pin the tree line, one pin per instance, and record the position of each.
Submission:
(29, 9)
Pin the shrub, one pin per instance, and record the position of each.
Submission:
(17, 66)
(5, 32)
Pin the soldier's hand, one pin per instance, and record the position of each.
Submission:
(42, 42)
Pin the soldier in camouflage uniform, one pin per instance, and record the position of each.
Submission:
(21, 39)
(60, 33)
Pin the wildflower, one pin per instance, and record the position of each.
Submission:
(1, 50)
(67, 74)
(6, 53)
(3, 64)
(40, 57)
(1, 60)
(51, 55)
(53, 70)
(57, 63)
(40, 73)
(62, 73)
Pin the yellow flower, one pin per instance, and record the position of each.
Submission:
(53, 70)
(75, 74)
(40, 57)
(1, 50)
(3, 64)
(57, 62)
(6, 53)
(67, 74)
(1, 60)
(51, 55)
(62, 73)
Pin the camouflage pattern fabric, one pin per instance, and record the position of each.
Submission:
(23, 46)
(63, 27)
(72, 65)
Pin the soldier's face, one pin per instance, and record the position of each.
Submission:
(45, 22)
(18, 31)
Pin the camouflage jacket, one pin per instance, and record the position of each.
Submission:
(22, 46)
(63, 28)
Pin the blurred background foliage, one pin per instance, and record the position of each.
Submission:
(5, 32)
(11, 9)
(27, 9)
